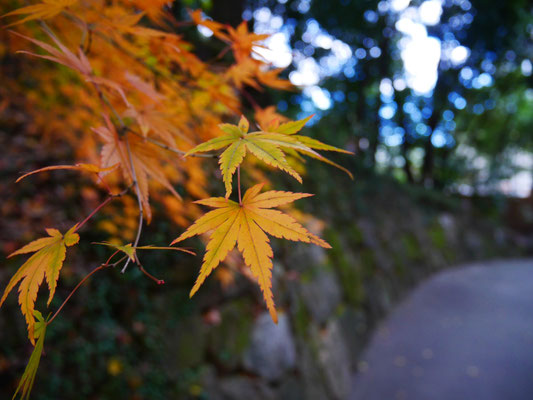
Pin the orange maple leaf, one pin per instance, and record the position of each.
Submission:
(47, 261)
(46, 9)
(270, 78)
(243, 41)
(144, 163)
(243, 73)
(64, 56)
(216, 27)
(61, 54)
(267, 117)
(246, 224)
(154, 9)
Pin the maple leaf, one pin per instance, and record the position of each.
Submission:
(144, 159)
(47, 9)
(270, 78)
(243, 41)
(243, 73)
(158, 122)
(246, 225)
(213, 26)
(47, 261)
(265, 117)
(144, 87)
(307, 144)
(238, 142)
(154, 10)
(267, 146)
(62, 55)
(28, 377)
(116, 22)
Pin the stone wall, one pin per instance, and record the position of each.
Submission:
(331, 300)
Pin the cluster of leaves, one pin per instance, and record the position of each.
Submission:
(134, 100)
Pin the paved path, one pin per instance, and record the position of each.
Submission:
(466, 333)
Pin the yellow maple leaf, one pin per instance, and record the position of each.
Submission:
(267, 146)
(246, 224)
(46, 262)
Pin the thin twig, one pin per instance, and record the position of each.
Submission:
(75, 289)
(106, 101)
(220, 55)
(149, 275)
(105, 265)
(239, 182)
(166, 147)
(87, 49)
(102, 204)
(102, 180)
(139, 201)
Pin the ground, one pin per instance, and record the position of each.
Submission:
(466, 333)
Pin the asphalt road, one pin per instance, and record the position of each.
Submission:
(466, 333)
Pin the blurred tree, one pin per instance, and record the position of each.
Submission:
(412, 83)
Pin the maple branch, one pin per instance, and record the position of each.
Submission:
(110, 197)
(139, 201)
(102, 180)
(102, 266)
(103, 98)
(74, 291)
(220, 55)
(166, 147)
(87, 49)
(239, 182)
